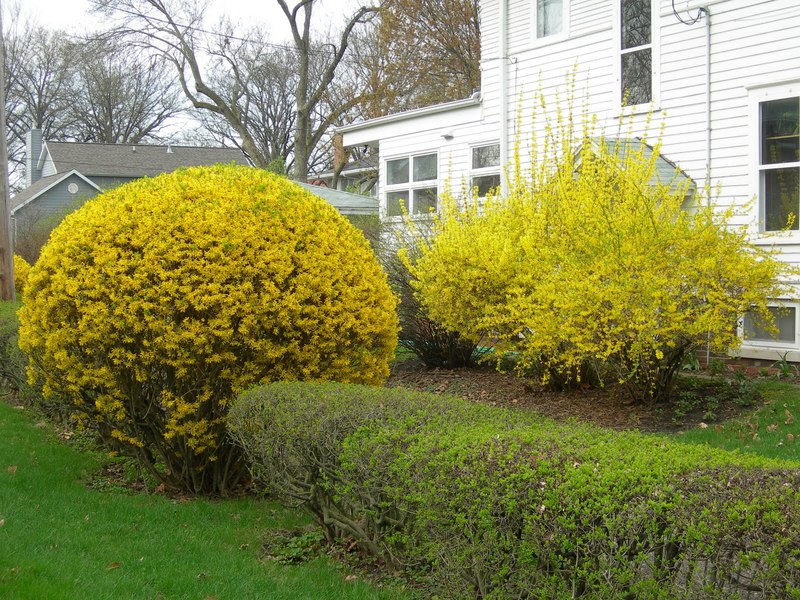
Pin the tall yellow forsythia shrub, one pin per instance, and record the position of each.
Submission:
(589, 265)
(156, 303)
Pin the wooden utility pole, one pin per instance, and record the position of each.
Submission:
(6, 248)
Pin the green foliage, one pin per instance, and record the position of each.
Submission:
(770, 431)
(292, 546)
(434, 344)
(592, 264)
(14, 363)
(62, 540)
(156, 303)
(277, 166)
(494, 503)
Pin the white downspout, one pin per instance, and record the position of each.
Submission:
(707, 14)
(504, 153)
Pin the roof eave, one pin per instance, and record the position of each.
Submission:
(473, 100)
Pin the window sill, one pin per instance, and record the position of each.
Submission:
(401, 219)
(774, 352)
(638, 110)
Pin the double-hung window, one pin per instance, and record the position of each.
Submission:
(411, 185)
(636, 51)
(550, 18)
(779, 163)
(784, 332)
(485, 172)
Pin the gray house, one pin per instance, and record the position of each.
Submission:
(60, 176)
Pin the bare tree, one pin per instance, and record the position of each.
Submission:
(121, 97)
(39, 67)
(261, 86)
(81, 90)
(310, 93)
(429, 49)
(175, 29)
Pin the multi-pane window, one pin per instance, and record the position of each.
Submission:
(411, 185)
(485, 172)
(785, 326)
(779, 163)
(549, 17)
(636, 48)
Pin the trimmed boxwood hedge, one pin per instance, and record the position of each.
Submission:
(496, 503)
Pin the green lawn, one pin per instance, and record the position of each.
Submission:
(59, 539)
(771, 429)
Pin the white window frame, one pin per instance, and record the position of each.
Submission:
(758, 96)
(410, 186)
(655, 58)
(483, 171)
(772, 349)
(553, 37)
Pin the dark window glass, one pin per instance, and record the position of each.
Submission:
(780, 131)
(484, 183)
(425, 167)
(396, 204)
(637, 77)
(424, 201)
(636, 23)
(486, 156)
(785, 320)
(781, 195)
(549, 17)
(397, 171)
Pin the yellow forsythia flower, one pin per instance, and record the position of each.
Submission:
(160, 300)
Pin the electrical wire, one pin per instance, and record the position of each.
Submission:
(698, 16)
(226, 37)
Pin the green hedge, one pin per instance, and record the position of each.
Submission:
(13, 364)
(495, 503)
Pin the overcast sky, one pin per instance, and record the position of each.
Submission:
(73, 15)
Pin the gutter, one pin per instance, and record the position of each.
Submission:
(473, 100)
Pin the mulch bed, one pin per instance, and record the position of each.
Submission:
(608, 407)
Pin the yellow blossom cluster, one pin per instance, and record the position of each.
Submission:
(594, 263)
(157, 302)
(21, 270)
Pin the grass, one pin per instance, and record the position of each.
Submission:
(772, 429)
(59, 539)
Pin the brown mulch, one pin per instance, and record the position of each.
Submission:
(608, 407)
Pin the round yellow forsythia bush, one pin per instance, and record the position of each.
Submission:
(153, 305)
(21, 270)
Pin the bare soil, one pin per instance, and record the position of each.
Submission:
(608, 407)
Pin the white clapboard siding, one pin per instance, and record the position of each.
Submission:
(755, 49)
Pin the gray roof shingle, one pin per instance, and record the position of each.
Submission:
(141, 160)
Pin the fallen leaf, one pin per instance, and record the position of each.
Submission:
(244, 546)
(114, 565)
(201, 575)
(2, 522)
(12, 469)
(703, 425)
(772, 427)
(719, 428)
(790, 437)
(789, 418)
(351, 578)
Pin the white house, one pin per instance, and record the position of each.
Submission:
(723, 74)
